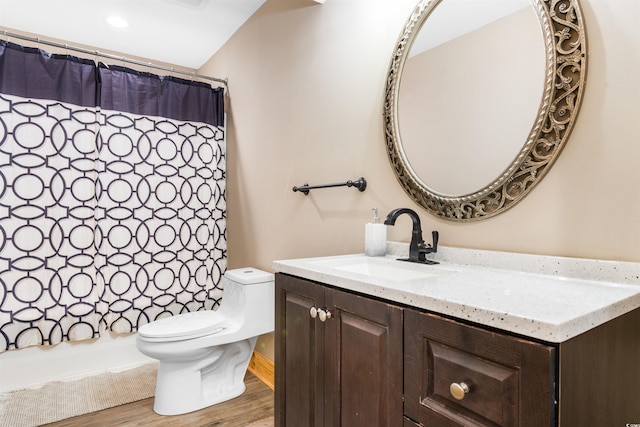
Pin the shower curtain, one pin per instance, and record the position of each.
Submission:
(112, 197)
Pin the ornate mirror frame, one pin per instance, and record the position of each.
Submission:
(565, 73)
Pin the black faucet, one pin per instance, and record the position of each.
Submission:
(417, 248)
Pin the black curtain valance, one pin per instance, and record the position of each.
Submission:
(33, 73)
(137, 92)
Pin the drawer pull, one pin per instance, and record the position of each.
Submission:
(458, 391)
(313, 312)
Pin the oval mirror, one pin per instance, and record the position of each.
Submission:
(480, 98)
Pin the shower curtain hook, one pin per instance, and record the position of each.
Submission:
(104, 64)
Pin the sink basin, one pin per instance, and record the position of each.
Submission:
(386, 268)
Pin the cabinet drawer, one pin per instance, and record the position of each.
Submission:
(464, 380)
(499, 380)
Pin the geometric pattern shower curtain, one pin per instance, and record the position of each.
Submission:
(161, 201)
(112, 198)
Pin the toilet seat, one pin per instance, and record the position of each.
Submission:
(184, 326)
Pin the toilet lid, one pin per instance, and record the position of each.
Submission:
(184, 326)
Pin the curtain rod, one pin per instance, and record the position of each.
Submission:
(113, 57)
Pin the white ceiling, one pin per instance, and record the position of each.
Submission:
(179, 32)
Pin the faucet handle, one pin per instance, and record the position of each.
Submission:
(434, 237)
(433, 246)
(429, 248)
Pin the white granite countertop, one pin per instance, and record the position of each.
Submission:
(549, 298)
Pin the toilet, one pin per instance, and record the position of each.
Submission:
(203, 355)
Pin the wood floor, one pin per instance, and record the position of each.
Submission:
(254, 405)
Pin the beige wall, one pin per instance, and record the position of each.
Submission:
(306, 90)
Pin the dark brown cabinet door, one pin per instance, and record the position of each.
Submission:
(461, 375)
(364, 355)
(342, 368)
(299, 364)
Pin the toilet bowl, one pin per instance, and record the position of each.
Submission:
(203, 356)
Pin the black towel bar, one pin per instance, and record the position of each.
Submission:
(360, 184)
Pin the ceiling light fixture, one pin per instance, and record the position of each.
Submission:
(117, 21)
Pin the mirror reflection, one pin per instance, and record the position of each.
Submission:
(470, 92)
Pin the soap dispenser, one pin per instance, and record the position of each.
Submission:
(375, 237)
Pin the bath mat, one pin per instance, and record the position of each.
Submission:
(65, 399)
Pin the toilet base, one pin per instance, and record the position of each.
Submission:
(163, 409)
(189, 385)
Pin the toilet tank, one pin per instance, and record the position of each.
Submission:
(248, 276)
(249, 297)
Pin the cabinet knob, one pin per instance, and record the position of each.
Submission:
(458, 390)
(313, 312)
(324, 315)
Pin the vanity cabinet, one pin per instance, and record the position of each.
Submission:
(338, 357)
(369, 362)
